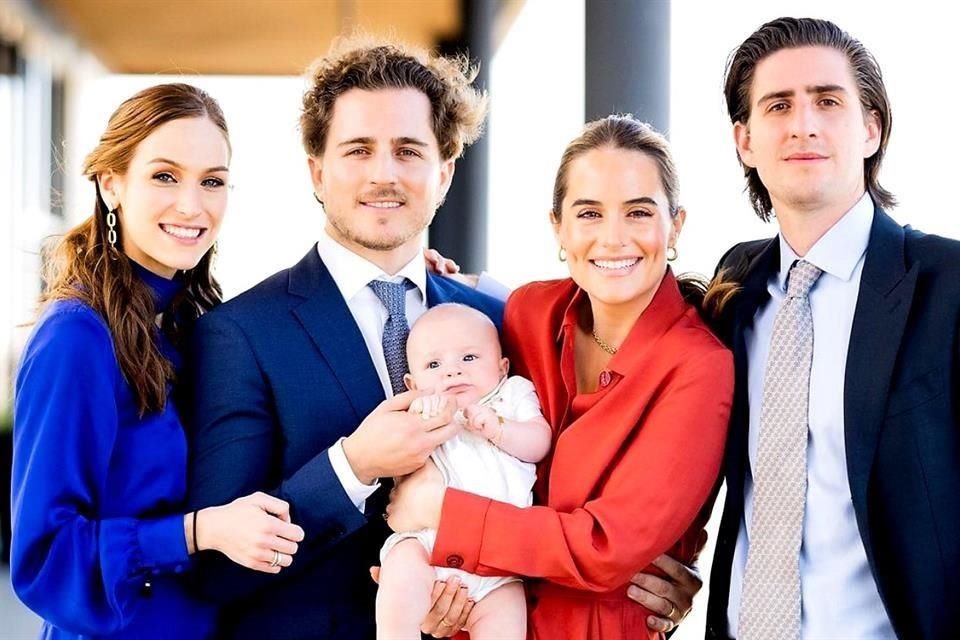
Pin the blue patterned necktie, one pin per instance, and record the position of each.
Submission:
(393, 295)
(770, 608)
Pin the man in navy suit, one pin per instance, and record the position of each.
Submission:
(294, 382)
(877, 549)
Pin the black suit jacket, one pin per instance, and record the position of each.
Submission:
(901, 421)
(278, 375)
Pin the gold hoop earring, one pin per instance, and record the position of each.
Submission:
(671, 254)
(562, 254)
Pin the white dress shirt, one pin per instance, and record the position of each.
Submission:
(838, 592)
(352, 273)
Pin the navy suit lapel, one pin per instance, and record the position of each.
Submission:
(883, 304)
(440, 291)
(326, 318)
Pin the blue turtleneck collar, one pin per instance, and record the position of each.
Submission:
(164, 291)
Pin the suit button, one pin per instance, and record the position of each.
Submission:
(146, 590)
(455, 561)
(605, 378)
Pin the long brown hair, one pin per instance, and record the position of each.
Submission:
(84, 265)
(791, 33)
(626, 132)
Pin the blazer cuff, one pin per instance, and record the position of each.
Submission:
(319, 502)
(460, 533)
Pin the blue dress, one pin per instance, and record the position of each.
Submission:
(98, 539)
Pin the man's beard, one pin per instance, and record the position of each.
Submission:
(378, 242)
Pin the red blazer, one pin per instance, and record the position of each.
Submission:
(632, 465)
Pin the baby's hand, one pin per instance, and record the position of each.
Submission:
(430, 406)
(483, 420)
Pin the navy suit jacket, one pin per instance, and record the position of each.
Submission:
(278, 375)
(901, 423)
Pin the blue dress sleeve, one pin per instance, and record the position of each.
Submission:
(78, 570)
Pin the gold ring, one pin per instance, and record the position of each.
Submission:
(673, 610)
(276, 559)
(445, 622)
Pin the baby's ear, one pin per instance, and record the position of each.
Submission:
(408, 380)
(504, 366)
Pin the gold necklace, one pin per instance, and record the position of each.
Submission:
(603, 344)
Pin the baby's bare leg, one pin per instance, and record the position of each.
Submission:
(501, 615)
(403, 599)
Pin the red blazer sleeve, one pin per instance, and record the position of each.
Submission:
(646, 503)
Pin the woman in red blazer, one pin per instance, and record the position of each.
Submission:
(636, 388)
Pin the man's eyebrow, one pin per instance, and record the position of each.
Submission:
(812, 90)
(355, 141)
(776, 95)
(395, 141)
(417, 142)
(826, 88)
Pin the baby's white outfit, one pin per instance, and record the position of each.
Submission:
(470, 462)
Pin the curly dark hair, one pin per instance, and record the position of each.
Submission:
(359, 62)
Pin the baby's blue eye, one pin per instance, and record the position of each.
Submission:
(433, 364)
(469, 357)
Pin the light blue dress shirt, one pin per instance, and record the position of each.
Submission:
(839, 595)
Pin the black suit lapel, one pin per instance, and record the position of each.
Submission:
(752, 268)
(883, 304)
(325, 316)
(759, 268)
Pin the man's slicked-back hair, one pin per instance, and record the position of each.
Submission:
(458, 109)
(791, 33)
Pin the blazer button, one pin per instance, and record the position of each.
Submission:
(605, 378)
(455, 561)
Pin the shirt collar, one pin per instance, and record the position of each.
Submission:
(839, 250)
(352, 272)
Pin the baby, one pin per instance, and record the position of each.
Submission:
(454, 353)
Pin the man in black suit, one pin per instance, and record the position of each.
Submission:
(864, 541)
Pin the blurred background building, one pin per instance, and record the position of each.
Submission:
(547, 64)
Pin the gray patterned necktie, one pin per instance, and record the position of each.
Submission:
(770, 605)
(393, 295)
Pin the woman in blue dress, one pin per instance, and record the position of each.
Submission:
(99, 471)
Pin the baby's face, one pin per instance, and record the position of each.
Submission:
(455, 357)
